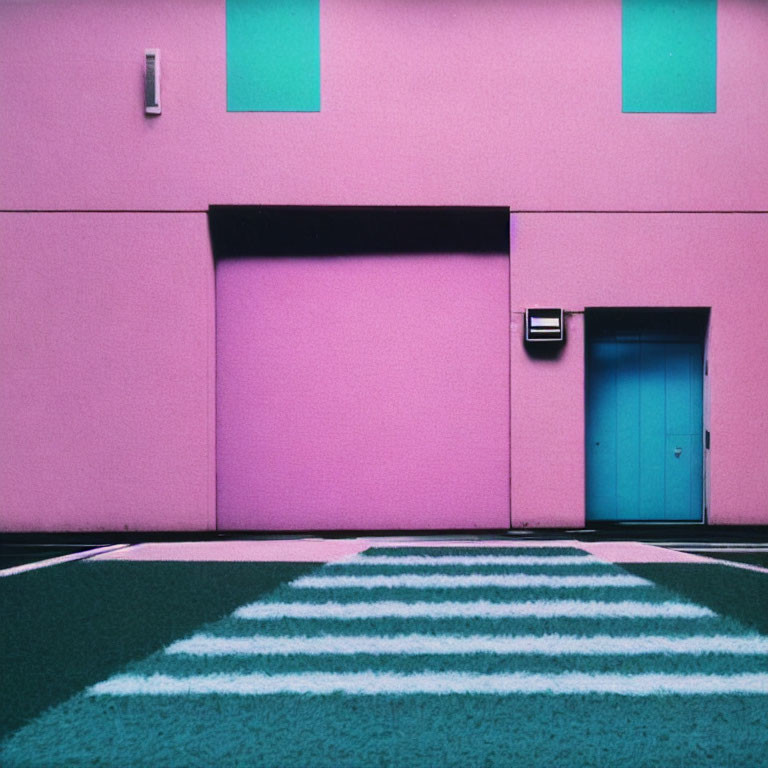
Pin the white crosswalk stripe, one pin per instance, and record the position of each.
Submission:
(475, 609)
(468, 560)
(376, 683)
(411, 645)
(442, 581)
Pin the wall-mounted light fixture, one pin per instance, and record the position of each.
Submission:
(152, 81)
(544, 325)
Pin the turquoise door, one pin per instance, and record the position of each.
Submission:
(644, 429)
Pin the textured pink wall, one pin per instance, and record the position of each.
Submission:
(464, 102)
(105, 343)
(363, 392)
(106, 393)
(594, 260)
(547, 427)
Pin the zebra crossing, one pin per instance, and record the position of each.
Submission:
(437, 621)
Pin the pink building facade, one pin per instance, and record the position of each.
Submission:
(346, 350)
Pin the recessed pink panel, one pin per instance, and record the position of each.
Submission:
(363, 392)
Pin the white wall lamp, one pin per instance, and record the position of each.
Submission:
(152, 81)
(544, 325)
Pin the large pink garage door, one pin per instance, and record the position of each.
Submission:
(363, 390)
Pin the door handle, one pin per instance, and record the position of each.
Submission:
(678, 451)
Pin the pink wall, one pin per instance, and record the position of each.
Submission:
(594, 260)
(547, 427)
(363, 392)
(106, 393)
(107, 403)
(463, 102)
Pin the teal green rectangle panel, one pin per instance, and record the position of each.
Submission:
(669, 55)
(273, 55)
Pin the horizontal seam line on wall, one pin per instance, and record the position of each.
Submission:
(511, 210)
(639, 211)
(100, 210)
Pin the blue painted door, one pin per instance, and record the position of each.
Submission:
(644, 429)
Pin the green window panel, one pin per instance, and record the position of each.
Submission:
(273, 55)
(669, 55)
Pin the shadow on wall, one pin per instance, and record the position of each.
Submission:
(546, 350)
(549, 350)
(329, 231)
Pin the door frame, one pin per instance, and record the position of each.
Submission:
(697, 322)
